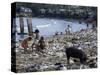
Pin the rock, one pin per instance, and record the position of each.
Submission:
(93, 65)
(32, 68)
(71, 61)
(59, 66)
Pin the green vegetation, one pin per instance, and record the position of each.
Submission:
(52, 10)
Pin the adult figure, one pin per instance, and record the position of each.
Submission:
(37, 34)
(68, 30)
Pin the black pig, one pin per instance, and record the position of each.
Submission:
(76, 53)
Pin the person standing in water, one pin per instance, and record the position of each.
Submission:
(68, 29)
(87, 25)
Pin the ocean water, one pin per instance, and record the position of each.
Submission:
(48, 26)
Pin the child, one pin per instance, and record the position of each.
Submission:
(24, 43)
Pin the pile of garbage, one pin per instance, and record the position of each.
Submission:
(54, 57)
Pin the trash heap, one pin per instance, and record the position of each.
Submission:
(54, 57)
